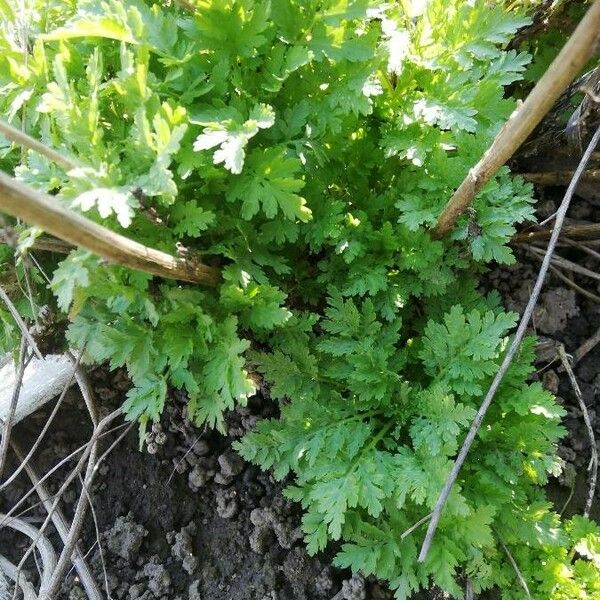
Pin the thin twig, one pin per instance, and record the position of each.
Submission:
(556, 178)
(593, 466)
(78, 517)
(185, 456)
(8, 422)
(569, 282)
(13, 511)
(11, 572)
(97, 530)
(60, 523)
(469, 589)
(46, 426)
(415, 526)
(587, 346)
(44, 242)
(572, 231)
(19, 137)
(582, 247)
(515, 567)
(84, 385)
(41, 543)
(89, 452)
(514, 347)
(590, 295)
(37, 208)
(569, 265)
(17, 317)
(565, 67)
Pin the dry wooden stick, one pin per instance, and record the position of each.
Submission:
(567, 265)
(565, 67)
(593, 467)
(572, 231)
(591, 296)
(512, 350)
(514, 565)
(469, 589)
(45, 211)
(560, 177)
(8, 423)
(20, 137)
(20, 323)
(60, 523)
(587, 345)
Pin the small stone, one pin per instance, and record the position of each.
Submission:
(125, 537)
(201, 448)
(227, 504)
(550, 381)
(231, 463)
(198, 478)
(194, 591)
(223, 479)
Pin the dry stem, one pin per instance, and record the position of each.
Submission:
(20, 137)
(593, 467)
(565, 67)
(46, 212)
(514, 347)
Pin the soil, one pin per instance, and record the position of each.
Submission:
(188, 519)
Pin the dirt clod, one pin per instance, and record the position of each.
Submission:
(182, 548)
(125, 537)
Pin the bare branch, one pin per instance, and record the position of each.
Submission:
(565, 67)
(514, 565)
(83, 570)
(8, 422)
(20, 137)
(514, 347)
(41, 543)
(593, 467)
(46, 212)
(19, 321)
(572, 231)
(46, 426)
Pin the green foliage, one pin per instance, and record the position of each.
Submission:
(305, 148)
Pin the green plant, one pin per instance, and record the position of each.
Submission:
(305, 148)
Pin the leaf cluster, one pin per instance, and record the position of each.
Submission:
(305, 148)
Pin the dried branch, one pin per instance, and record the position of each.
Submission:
(44, 242)
(469, 589)
(60, 523)
(513, 562)
(587, 346)
(45, 211)
(78, 517)
(19, 321)
(514, 347)
(41, 543)
(11, 572)
(8, 421)
(572, 231)
(565, 67)
(568, 265)
(20, 137)
(415, 526)
(552, 178)
(46, 426)
(589, 295)
(593, 466)
(13, 511)
(89, 453)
